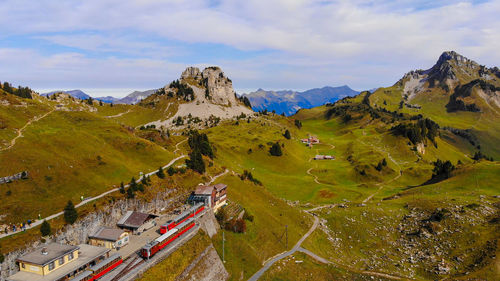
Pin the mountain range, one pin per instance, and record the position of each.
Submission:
(131, 98)
(289, 102)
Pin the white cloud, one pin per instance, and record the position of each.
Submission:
(366, 43)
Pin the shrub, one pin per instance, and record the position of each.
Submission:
(275, 149)
(171, 171)
(160, 173)
(287, 135)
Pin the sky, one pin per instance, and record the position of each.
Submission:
(112, 47)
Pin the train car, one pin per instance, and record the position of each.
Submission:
(99, 270)
(150, 249)
(159, 243)
(191, 212)
(106, 266)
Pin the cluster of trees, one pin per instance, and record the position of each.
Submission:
(133, 186)
(248, 176)
(245, 101)
(381, 165)
(23, 92)
(200, 145)
(275, 149)
(442, 170)
(418, 131)
(147, 127)
(466, 134)
(479, 155)
(183, 90)
(235, 225)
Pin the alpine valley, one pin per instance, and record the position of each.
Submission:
(402, 183)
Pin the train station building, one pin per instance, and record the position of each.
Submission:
(56, 262)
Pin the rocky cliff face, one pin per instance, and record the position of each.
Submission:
(203, 97)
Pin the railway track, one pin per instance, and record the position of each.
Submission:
(131, 266)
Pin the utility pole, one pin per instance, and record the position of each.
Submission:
(223, 239)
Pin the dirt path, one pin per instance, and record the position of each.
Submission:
(119, 114)
(212, 179)
(20, 131)
(177, 146)
(295, 248)
(88, 200)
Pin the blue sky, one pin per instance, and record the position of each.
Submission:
(111, 47)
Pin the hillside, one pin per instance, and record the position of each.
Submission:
(288, 102)
(68, 150)
(457, 93)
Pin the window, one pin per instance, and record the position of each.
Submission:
(61, 261)
(52, 265)
(70, 256)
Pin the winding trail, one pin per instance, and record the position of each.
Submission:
(295, 248)
(212, 179)
(20, 131)
(177, 145)
(119, 114)
(90, 199)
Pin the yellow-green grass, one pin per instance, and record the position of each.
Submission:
(245, 253)
(299, 266)
(172, 266)
(69, 155)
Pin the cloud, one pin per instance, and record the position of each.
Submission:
(281, 43)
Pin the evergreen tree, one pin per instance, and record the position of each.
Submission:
(70, 214)
(298, 124)
(195, 162)
(160, 173)
(45, 228)
(287, 135)
(275, 149)
(130, 193)
(122, 188)
(133, 184)
(384, 162)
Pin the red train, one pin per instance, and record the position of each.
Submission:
(99, 270)
(161, 242)
(191, 212)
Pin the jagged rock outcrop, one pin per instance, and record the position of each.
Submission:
(203, 98)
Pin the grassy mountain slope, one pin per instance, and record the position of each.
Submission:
(68, 154)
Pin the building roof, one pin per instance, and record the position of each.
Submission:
(45, 254)
(87, 254)
(204, 190)
(134, 219)
(220, 186)
(108, 234)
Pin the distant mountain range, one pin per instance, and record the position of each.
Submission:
(131, 98)
(288, 101)
(79, 94)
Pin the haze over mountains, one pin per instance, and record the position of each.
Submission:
(288, 101)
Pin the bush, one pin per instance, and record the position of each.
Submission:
(298, 124)
(122, 188)
(45, 228)
(275, 149)
(247, 216)
(171, 171)
(287, 135)
(221, 216)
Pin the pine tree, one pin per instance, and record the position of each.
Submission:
(287, 135)
(45, 228)
(122, 188)
(160, 173)
(195, 162)
(130, 193)
(70, 213)
(171, 171)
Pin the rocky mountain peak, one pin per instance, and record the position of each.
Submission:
(218, 88)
